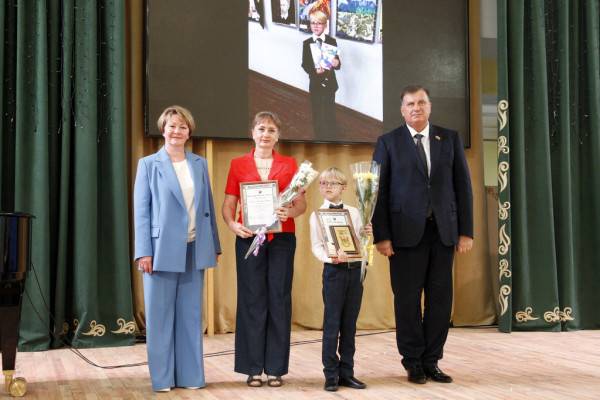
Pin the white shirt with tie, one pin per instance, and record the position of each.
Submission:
(321, 36)
(425, 141)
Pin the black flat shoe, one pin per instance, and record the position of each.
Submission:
(351, 382)
(331, 384)
(436, 374)
(416, 374)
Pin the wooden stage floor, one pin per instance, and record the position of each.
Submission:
(485, 364)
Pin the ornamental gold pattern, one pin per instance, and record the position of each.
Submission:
(504, 269)
(126, 328)
(502, 114)
(503, 210)
(503, 298)
(502, 145)
(526, 315)
(96, 329)
(503, 175)
(557, 315)
(504, 241)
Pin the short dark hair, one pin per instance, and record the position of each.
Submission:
(413, 89)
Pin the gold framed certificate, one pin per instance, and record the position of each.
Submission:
(344, 239)
(338, 238)
(258, 203)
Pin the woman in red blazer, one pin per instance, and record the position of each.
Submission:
(264, 282)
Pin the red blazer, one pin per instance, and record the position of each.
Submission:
(243, 169)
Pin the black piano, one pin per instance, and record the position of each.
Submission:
(15, 261)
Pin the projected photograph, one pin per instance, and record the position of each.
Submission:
(324, 88)
(356, 19)
(284, 12)
(256, 10)
(330, 81)
(305, 7)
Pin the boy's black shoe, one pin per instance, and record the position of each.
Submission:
(331, 384)
(352, 382)
(416, 374)
(436, 374)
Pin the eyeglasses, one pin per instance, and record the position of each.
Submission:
(330, 184)
(317, 23)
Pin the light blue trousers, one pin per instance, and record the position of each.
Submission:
(173, 303)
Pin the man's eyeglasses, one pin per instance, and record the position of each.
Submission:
(330, 184)
(316, 23)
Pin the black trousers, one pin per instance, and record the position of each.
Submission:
(342, 295)
(323, 112)
(264, 306)
(425, 268)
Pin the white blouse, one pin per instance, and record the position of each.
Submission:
(187, 188)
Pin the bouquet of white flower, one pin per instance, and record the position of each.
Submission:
(366, 180)
(298, 185)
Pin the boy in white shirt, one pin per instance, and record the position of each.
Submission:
(342, 289)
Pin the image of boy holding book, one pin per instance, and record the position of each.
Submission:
(320, 59)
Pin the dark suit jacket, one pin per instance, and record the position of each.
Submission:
(317, 81)
(400, 214)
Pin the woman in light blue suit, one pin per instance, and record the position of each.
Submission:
(176, 238)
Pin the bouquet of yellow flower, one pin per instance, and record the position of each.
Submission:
(298, 185)
(366, 180)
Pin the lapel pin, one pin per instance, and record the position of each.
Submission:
(437, 137)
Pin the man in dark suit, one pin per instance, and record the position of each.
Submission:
(323, 83)
(424, 211)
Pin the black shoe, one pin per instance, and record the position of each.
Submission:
(352, 382)
(331, 384)
(436, 374)
(416, 374)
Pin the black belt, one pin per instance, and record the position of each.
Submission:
(346, 265)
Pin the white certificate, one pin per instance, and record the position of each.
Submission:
(259, 200)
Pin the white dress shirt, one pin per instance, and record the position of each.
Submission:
(318, 243)
(321, 36)
(187, 188)
(425, 141)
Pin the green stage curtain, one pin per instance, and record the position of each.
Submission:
(63, 154)
(549, 164)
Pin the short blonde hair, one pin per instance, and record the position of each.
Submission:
(182, 112)
(266, 115)
(319, 16)
(335, 173)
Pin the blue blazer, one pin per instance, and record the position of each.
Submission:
(401, 210)
(161, 219)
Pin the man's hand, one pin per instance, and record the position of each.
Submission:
(385, 248)
(465, 244)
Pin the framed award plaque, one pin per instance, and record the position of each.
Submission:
(338, 232)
